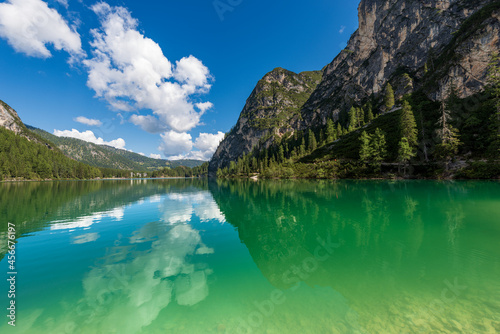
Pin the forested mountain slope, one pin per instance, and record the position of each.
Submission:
(433, 59)
(107, 156)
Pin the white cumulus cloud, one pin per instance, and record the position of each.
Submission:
(191, 71)
(148, 123)
(155, 156)
(174, 143)
(90, 137)
(30, 25)
(204, 106)
(88, 121)
(130, 72)
(208, 141)
(205, 145)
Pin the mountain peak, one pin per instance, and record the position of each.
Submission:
(9, 118)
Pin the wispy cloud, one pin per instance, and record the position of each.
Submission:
(342, 29)
(88, 121)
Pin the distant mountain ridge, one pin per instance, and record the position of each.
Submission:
(107, 156)
(94, 155)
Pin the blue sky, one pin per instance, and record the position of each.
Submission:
(164, 78)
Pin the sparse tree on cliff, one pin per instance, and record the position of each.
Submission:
(408, 125)
(353, 119)
(365, 149)
(389, 97)
(360, 117)
(369, 113)
(331, 133)
(340, 132)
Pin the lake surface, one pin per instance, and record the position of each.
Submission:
(192, 256)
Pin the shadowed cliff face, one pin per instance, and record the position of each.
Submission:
(395, 41)
(418, 44)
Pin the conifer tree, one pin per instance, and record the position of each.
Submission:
(365, 149)
(302, 148)
(246, 165)
(281, 154)
(360, 116)
(405, 152)
(448, 137)
(389, 97)
(312, 143)
(353, 120)
(369, 113)
(379, 148)
(330, 131)
(408, 125)
(373, 148)
(340, 133)
(232, 167)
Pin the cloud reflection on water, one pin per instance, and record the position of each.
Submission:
(157, 265)
(179, 207)
(84, 238)
(87, 221)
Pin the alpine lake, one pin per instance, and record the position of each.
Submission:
(202, 256)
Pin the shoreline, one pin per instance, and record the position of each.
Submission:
(256, 179)
(99, 179)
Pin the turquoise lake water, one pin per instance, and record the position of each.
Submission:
(193, 256)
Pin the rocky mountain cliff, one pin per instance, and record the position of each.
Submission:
(424, 44)
(419, 45)
(275, 102)
(9, 119)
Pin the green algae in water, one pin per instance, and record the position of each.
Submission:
(192, 256)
